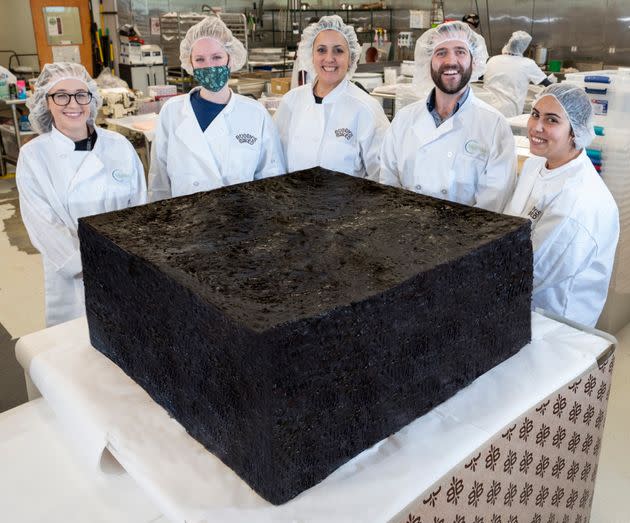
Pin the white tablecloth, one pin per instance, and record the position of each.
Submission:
(43, 480)
(104, 408)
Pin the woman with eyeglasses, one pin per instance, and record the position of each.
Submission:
(73, 169)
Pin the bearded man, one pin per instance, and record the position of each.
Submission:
(452, 146)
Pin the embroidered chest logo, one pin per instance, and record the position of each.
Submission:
(345, 132)
(534, 214)
(120, 176)
(476, 149)
(246, 138)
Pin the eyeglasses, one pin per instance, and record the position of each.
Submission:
(63, 99)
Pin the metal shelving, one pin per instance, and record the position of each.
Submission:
(297, 20)
(173, 28)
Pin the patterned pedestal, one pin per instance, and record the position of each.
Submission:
(539, 469)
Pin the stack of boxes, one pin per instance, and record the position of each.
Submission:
(609, 92)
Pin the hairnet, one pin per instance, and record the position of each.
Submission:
(577, 106)
(212, 27)
(459, 31)
(334, 23)
(40, 116)
(517, 44)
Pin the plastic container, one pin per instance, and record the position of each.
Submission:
(390, 74)
(24, 124)
(21, 89)
(554, 66)
(609, 93)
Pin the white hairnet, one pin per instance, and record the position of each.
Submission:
(40, 116)
(334, 23)
(212, 27)
(517, 44)
(578, 109)
(448, 31)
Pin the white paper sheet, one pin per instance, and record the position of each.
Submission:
(42, 480)
(103, 407)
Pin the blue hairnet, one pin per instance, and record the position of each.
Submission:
(334, 23)
(448, 31)
(577, 106)
(517, 44)
(40, 116)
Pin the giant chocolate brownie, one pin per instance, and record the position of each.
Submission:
(290, 323)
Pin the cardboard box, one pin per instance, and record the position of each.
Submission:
(280, 86)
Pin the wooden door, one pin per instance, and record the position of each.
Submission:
(45, 50)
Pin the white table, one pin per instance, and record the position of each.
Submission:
(128, 122)
(106, 412)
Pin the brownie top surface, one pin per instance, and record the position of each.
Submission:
(296, 246)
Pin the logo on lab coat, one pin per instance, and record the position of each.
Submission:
(534, 213)
(245, 137)
(345, 132)
(120, 176)
(474, 148)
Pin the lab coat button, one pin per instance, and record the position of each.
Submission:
(196, 184)
(444, 191)
(450, 154)
(418, 187)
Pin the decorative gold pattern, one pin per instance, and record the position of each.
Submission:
(540, 469)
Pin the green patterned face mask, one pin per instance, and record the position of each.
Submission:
(213, 78)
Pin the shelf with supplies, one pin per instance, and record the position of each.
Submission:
(365, 21)
(173, 29)
(11, 137)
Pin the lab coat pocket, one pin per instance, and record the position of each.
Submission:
(465, 175)
(192, 182)
(243, 163)
(119, 188)
(343, 156)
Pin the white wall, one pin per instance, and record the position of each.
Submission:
(16, 30)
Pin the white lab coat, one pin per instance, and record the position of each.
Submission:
(508, 77)
(469, 159)
(343, 133)
(575, 228)
(240, 145)
(54, 194)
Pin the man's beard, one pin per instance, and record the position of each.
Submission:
(465, 75)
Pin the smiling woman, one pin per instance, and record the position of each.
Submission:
(73, 169)
(330, 122)
(69, 105)
(331, 59)
(575, 221)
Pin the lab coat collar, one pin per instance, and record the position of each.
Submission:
(333, 95)
(229, 107)
(425, 129)
(191, 135)
(570, 167)
(63, 145)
